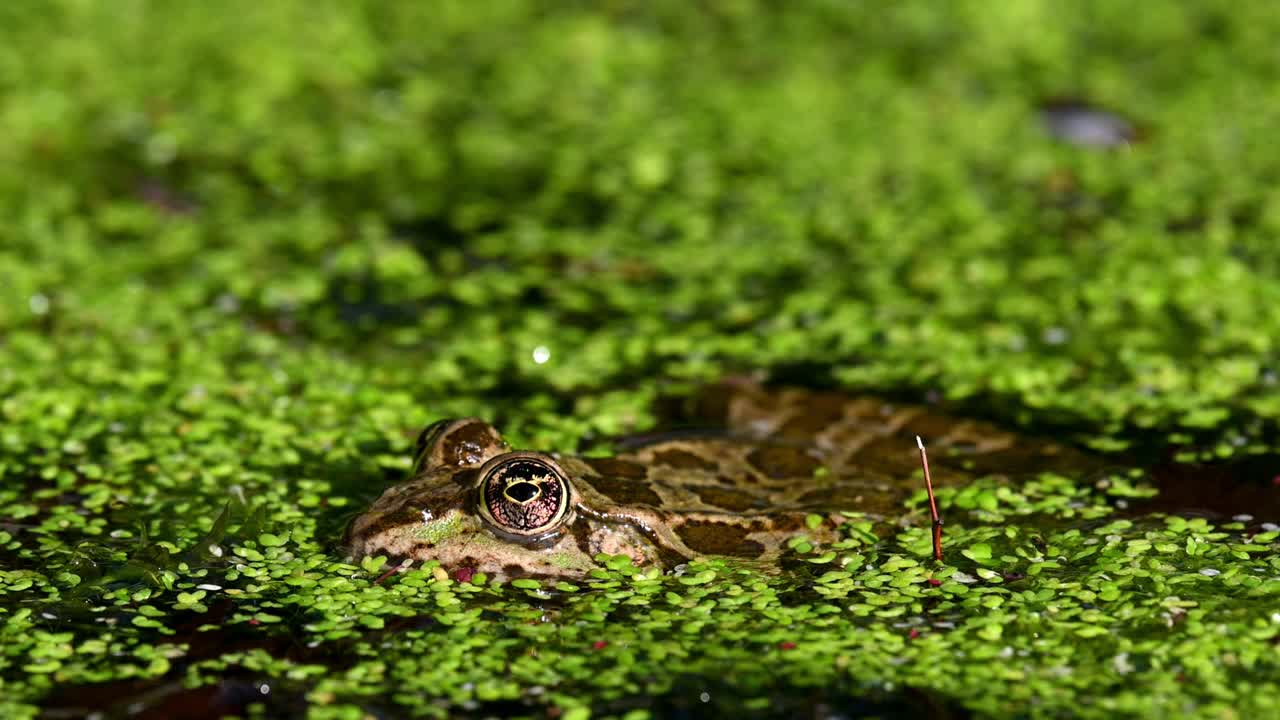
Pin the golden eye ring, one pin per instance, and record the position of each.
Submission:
(523, 494)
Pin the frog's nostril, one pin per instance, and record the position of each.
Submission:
(522, 492)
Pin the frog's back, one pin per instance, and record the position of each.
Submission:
(770, 452)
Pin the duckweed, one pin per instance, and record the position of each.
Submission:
(251, 249)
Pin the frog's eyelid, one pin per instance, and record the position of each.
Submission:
(426, 440)
(428, 436)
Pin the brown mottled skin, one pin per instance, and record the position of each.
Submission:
(781, 456)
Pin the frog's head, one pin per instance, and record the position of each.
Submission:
(475, 506)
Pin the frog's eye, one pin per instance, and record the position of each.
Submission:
(523, 493)
(458, 442)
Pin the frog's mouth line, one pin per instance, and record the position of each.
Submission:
(668, 556)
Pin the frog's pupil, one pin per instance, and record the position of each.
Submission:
(522, 492)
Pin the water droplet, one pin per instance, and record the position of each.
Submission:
(39, 303)
(1056, 335)
(541, 354)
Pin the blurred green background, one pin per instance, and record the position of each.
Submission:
(651, 189)
(248, 248)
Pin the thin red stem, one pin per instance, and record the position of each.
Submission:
(391, 571)
(933, 503)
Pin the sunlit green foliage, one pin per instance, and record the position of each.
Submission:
(249, 248)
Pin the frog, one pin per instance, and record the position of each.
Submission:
(756, 468)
